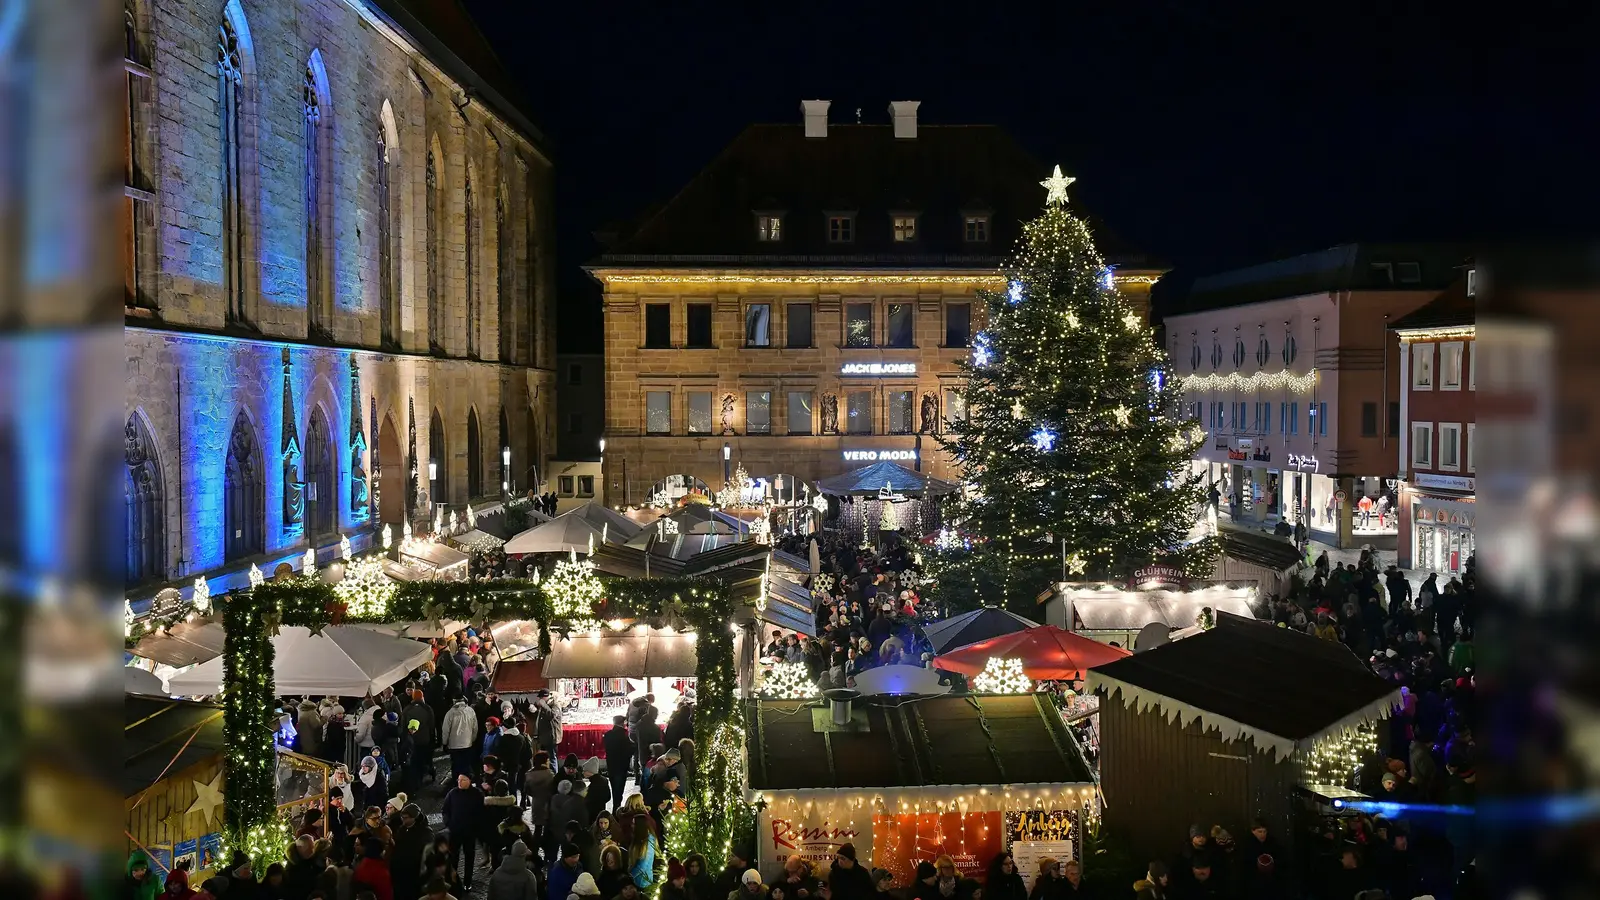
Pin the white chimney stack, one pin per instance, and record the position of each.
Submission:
(904, 115)
(816, 117)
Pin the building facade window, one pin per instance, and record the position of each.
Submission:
(435, 304)
(470, 212)
(1394, 418)
(799, 412)
(383, 194)
(858, 412)
(1449, 446)
(758, 325)
(565, 485)
(230, 86)
(317, 315)
(585, 485)
(1472, 447)
(758, 412)
(438, 461)
(243, 496)
(505, 317)
(1294, 417)
(958, 325)
(901, 420)
(977, 229)
(1369, 419)
(474, 456)
(905, 228)
(146, 510)
(841, 229)
(955, 407)
(1422, 445)
(858, 324)
(901, 330)
(697, 324)
(658, 412)
(658, 326)
(137, 223)
(699, 412)
(769, 227)
(1450, 359)
(1422, 367)
(799, 326)
(322, 477)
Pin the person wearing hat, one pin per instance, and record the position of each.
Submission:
(420, 724)
(677, 883)
(1153, 886)
(1004, 882)
(925, 887)
(1204, 883)
(1182, 868)
(566, 873)
(750, 887)
(410, 846)
(514, 880)
(728, 882)
(847, 880)
(883, 883)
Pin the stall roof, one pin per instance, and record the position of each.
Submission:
(434, 554)
(1112, 609)
(520, 676)
(936, 741)
(1259, 549)
(185, 644)
(789, 606)
(614, 524)
(624, 654)
(871, 479)
(155, 730)
(629, 562)
(1282, 689)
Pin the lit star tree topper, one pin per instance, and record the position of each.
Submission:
(1065, 375)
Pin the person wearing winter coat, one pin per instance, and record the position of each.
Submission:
(422, 736)
(645, 733)
(620, 752)
(676, 886)
(514, 880)
(612, 873)
(547, 723)
(598, 795)
(309, 726)
(1153, 886)
(568, 806)
(142, 882)
(1005, 882)
(515, 752)
(410, 846)
(463, 810)
(460, 731)
(538, 788)
(750, 887)
(498, 806)
(564, 876)
(372, 786)
(847, 880)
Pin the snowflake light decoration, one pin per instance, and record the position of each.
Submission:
(256, 578)
(820, 503)
(345, 550)
(308, 562)
(202, 596)
(823, 582)
(1002, 676)
(573, 589)
(788, 681)
(365, 590)
(1014, 293)
(1044, 440)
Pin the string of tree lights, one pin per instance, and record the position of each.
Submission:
(703, 605)
(1074, 439)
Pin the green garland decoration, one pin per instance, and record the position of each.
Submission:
(716, 814)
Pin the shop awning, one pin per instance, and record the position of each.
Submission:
(628, 654)
(184, 644)
(869, 480)
(341, 660)
(1113, 609)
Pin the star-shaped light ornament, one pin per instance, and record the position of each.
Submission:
(1056, 187)
(1076, 564)
(1044, 440)
(982, 355)
(1123, 414)
(1014, 293)
(1132, 321)
(207, 799)
(1072, 319)
(1016, 410)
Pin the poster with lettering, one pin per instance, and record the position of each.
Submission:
(1028, 853)
(813, 835)
(971, 839)
(1034, 834)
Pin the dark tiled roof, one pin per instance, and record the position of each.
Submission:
(1259, 549)
(944, 171)
(446, 32)
(1272, 679)
(1345, 267)
(520, 676)
(936, 741)
(155, 730)
(1451, 308)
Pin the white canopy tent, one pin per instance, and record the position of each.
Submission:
(342, 660)
(560, 535)
(636, 653)
(616, 526)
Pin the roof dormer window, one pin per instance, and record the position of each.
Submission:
(769, 227)
(905, 227)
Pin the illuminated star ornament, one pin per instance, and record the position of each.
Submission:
(981, 354)
(1075, 563)
(1015, 293)
(1132, 321)
(1072, 319)
(1123, 415)
(1056, 187)
(1044, 440)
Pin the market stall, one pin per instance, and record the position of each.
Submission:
(342, 660)
(885, 497)
(965, 776)
(595, 676)
(1117, 613)
(430, 560)
(1251, 710)
(563, 534)
(1046, 653)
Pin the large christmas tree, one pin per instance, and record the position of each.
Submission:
(1074, 444)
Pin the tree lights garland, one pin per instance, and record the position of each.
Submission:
(1064, 374)
(1337, 759)
(788, 681)
(250, 618)
(1002, 675)
(1258, 381)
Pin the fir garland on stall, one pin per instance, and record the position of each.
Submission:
(715, 811)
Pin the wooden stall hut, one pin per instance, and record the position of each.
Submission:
(1227, 725)
(172, 782)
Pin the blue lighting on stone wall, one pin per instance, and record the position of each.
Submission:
(43, 444)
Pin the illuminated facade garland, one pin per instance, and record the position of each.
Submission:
(988, 280)
(1260, 381)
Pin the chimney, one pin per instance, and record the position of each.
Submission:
(904, 114)
(816, 117)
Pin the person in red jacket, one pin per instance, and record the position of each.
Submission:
(372, 873)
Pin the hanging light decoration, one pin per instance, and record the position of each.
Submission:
(1002, 676)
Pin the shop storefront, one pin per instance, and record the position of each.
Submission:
(1440, 513)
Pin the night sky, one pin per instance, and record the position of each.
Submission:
(1209, 138)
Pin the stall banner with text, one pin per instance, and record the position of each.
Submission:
(971, 839)
(812, 835)
(1032, 835)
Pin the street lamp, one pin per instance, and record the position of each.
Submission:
(505, 471)
(727, 469)
(602, 446)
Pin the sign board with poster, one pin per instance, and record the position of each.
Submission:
(1035, 834)
(971, 839)
(814, 836)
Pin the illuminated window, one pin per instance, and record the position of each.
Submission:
(769, 228)
(858, 408)
(799, 412)
(900, 412)
(1450, 356)
(905, 229)
(758, 412)
(314, 176)
(243, 496)
(757, 325)
(699, 412)
(977, 229)
(658, 412)
(858, 325)
(901, 332)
